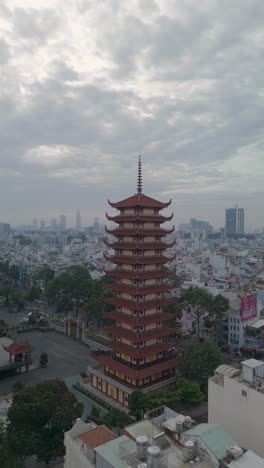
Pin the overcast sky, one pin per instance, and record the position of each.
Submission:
(87, 85)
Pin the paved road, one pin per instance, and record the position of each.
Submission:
(67, 358)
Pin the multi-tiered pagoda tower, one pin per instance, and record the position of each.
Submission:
(140, 355)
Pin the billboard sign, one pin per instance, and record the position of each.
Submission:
(248, 307)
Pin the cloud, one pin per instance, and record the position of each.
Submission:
(87, 86)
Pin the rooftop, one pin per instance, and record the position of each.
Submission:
(97, 436)
(248, 460)
(253, 363)
(214, 437)
(139, 199)
(111, 451)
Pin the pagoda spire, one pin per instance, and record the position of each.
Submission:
(139, 180)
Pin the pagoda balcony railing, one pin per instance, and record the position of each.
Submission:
(166, 356)
(99, 371)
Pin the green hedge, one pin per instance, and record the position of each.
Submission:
(93, 397)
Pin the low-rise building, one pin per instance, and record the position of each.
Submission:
(81, 443)
(236, 401)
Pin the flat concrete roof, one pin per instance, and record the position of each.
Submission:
(253, 363)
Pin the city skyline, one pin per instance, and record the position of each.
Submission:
(85, 90)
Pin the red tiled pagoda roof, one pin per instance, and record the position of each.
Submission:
(140, 245)
(139, 231)
(142, 218)
(116, 273)
(139, 320)
(145, 335)
(139, 290)
(139, 199)
(139, 305)
(138, 352)
(18, 347)
(138, 260)
(136, 373)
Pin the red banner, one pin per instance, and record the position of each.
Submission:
(248, 307)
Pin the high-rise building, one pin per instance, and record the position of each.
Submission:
(240, 221)
(230, 223)
(42, 225)
(78, 220)
(62, 223)
(141, 349)
(235, 221)
(53, 224)
(4, 229)
(96, 226)
(35, 223)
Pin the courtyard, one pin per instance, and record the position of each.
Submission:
(66, 359)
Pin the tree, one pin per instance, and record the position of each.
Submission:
(198, 302)
(188, 393)
(137, 404)
(5, 291)
(198, 360)
(17, 298)
(45, 273)
(14, 272)
(43, 360)
(4, 267)
(17, 387)
(33, 294)
(8, 457)
(116, 419)
(38, 418)
(71, 288)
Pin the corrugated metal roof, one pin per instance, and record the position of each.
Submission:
(248, 460)
(111, 451)
(214, 437)
(227, 370)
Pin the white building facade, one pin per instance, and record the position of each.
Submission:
(236, 401)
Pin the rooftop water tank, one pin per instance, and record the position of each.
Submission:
(189, 449)
(188, 422)
(179, 427)
(153, 456)
(142, 445)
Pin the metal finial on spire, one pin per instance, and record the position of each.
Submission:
(139, 181)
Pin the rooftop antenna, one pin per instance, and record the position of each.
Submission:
(139, 180)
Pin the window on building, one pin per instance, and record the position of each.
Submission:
(244, 393)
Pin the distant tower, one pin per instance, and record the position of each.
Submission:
(141, 353)
(96, 226)
(35, 223)
(240, 221)
(230, 224)
(53, 224)
(78, 220)
(62, 223)
(235, 221)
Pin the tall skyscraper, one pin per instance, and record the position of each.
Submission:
(230, 224)
(62, 223)
(141, 352)
(235, 221)
(53, 224)
(35, 223)
(96, 226)
(78, 225)
(4, 229)
(240, 221)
